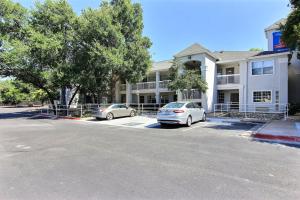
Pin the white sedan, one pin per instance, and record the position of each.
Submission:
(181, 113)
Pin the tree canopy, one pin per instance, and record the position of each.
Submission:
(256, 49)
(185, 79)
(291, 29)
(14, 92)
(52, 48)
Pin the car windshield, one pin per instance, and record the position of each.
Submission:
(174, 105)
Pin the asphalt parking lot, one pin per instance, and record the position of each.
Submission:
(44, 158)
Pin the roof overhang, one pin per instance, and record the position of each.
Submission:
(269, 55)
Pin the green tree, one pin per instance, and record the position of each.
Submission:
(10, 94)
(256, 49)
(97, 51)
(111, 47)
(291, 29)
(43, 56)
(187, 79)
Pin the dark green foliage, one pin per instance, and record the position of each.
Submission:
(291, 30)
(52, 48)
(13, 92)
(188, 79)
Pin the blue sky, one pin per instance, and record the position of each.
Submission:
(173, 25)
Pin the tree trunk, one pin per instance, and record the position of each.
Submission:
(53, 105)
(73, 96)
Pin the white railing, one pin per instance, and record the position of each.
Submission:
(144, 86)
(164, 84)
(251, 108)
(228, 79)
(191, 94)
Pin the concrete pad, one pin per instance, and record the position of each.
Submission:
(280, 131)
(134, 122)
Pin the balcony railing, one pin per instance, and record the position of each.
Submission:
(147, 85)
(164, 84)
(144, 86)
(228, 79)
(191, 94)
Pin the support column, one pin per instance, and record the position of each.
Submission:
(157, 93)
(117, 92)
(128, 94)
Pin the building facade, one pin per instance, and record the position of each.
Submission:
(243, 80)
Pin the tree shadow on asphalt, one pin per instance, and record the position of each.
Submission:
(16, 115)
(232, 126)
(29, 115)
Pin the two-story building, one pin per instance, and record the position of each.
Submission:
(243, 80)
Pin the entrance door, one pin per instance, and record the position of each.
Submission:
(142, 99)
(230, 71)
(234, 100)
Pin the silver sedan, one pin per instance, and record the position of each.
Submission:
(112, 111)
(181, 113)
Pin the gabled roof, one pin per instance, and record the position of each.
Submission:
(234, 55)
(162, 65)
(194, 49)
(276, 25)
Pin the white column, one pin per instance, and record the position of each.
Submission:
(128, 93)
(179, 95)
(157, 93)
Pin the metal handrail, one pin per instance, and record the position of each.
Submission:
(252, 108)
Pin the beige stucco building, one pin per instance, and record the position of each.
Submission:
(243, 80)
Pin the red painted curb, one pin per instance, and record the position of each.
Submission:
(277, 137)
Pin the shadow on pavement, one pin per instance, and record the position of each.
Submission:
(277, 142)
(168, 126)
(16, 115)
(232, 126)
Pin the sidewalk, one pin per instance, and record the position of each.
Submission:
(280, 131)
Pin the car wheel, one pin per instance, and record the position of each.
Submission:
(189, 121)
(204, 117)
(132, 114)
(109, 116)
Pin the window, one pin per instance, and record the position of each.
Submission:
(196, 105)
(262, 97)
(116, 106)
(262, 67)
(190, 105)
(221, 97)
(122, 106)
(174, 105)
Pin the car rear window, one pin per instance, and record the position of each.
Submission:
(174, 105)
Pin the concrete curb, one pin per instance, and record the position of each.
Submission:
(275, 138)
(278, 138)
